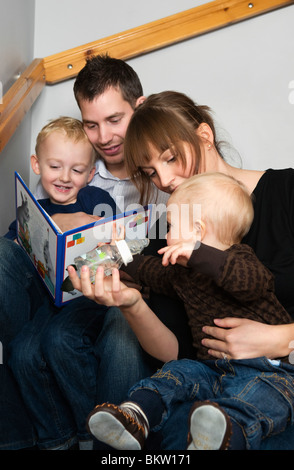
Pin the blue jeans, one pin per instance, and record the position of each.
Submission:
(54, 364)
(64, 360)
(254, 393)
(21, 293)
(121, 361)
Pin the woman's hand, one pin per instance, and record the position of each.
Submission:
(107, 290)
(239, 338)
(179, 253)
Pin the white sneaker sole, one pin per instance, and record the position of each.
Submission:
(208, 427)
(106, 428)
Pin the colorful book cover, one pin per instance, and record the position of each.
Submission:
(52, 250)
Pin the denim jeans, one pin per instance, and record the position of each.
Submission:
(178, 421)
(62, 359)
(54, 364)
(21, 293)
(255, 393)
(121, 362)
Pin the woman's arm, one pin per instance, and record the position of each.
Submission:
(155, 338)
(240, 338)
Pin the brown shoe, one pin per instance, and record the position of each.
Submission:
(123, 427)
(210, 427)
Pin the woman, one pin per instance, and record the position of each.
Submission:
(169, 139)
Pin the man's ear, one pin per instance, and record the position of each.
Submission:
(35, 164)
(200, 229)
(91, 174)
(204, 131)
(140, 100)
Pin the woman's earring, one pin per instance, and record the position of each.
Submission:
(209, 146)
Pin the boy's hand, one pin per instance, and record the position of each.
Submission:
(179, 253)
(70, 221)
(107, 290)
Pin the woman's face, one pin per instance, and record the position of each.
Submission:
(166, 170)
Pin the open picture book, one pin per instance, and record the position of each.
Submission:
(52, 250)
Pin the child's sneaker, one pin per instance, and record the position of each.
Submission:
(123, 427)
(210, 427)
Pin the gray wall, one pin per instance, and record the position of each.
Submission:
(16, 53)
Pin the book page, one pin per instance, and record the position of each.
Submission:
(35, 234)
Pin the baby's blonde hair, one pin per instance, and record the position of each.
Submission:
(71, 127)
(226, 204)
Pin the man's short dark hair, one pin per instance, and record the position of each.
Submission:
(102, 72)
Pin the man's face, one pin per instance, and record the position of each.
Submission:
(106, 119)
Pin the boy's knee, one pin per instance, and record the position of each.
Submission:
(24, 357)
(55, 339)
(62, 340)
(114, 316)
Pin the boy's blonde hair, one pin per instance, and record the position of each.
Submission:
(71, 127)
(226, 204)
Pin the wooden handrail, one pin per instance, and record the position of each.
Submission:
(158, 34)
(19, 99)
(131, 43)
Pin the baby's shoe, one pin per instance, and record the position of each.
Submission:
(123, 427)
(210, 427)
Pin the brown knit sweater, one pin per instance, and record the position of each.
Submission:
(216, 284)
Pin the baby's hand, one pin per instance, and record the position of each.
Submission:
(118, 233)
(179, 253)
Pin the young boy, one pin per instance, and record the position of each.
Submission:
(236, 402)
(65, 161)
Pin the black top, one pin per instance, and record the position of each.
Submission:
(272, 233)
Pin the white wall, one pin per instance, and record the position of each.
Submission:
(243, 72)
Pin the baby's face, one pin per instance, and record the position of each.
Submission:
(65, 167)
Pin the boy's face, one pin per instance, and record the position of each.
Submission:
(106, 119)
(180, 222)
(65, 166)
